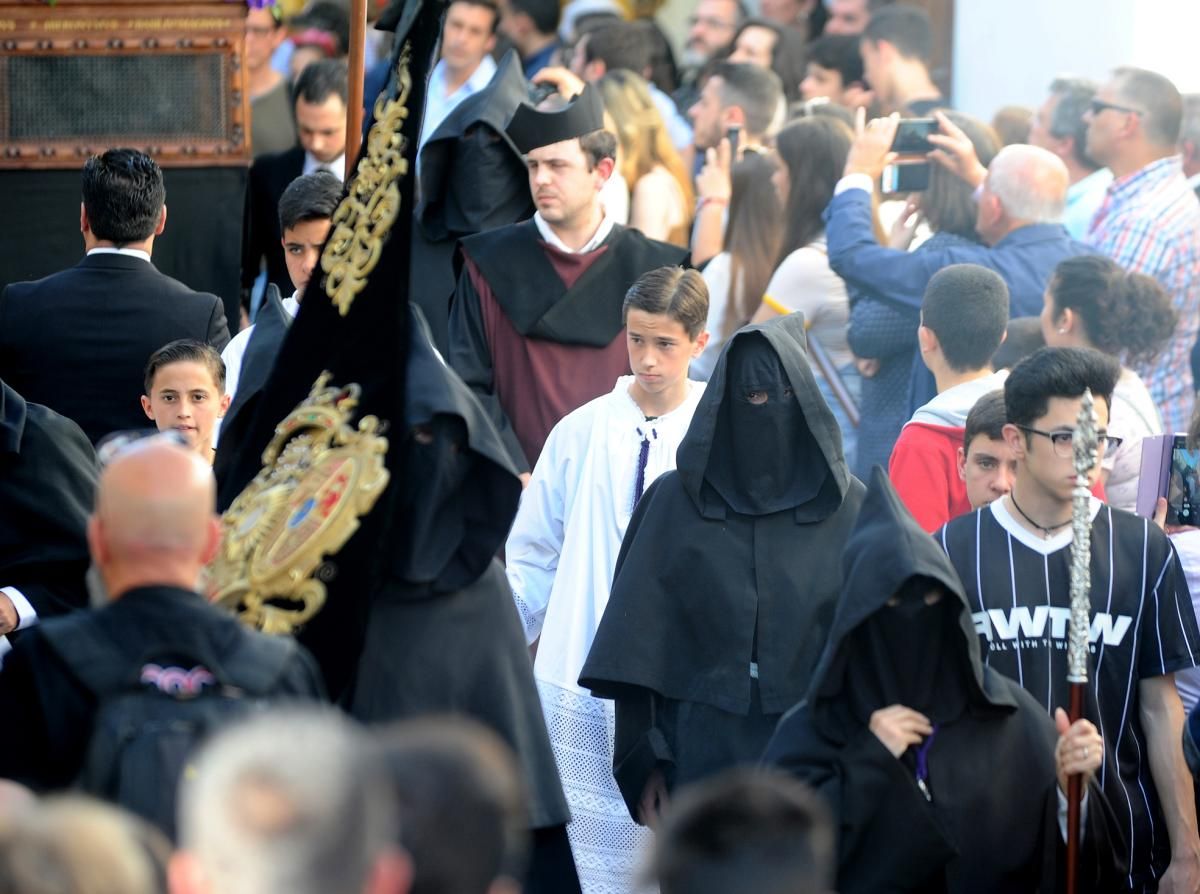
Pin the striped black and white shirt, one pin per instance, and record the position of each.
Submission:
(1143, 626)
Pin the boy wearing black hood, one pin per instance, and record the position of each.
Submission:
(940, 772)
(724, 591)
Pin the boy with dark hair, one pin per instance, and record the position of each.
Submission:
(1014, 558)
(185, 392)
(563, 546)
(986, 463)
(897, 50)
(834, 65)
(306, 211)
(746, 830)
(963, 320)
(462, 804)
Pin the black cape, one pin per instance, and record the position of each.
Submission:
(47, 485)
(533, 295)
(270, 328)
(992, 823)
(471, 179)
(700, 591)
(443, 634)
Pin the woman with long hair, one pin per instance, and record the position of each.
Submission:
(1092, 302)
(737, 277)
(661, 194)
(811, 154)
(883, 335)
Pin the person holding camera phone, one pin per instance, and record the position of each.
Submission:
(883, 335)
(1018, 220)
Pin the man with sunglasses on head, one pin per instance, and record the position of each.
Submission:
(1149, 221)
(1014, 557)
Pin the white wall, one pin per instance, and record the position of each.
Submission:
(1007, 51)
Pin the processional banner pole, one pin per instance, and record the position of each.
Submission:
(1085, 444)
(357, 74)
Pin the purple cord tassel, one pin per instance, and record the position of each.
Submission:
(643, 456)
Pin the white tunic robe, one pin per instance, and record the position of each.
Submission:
(561, 555)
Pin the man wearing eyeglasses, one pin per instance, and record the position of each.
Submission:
(271, 126)
(1014, 558)
(1149, 221)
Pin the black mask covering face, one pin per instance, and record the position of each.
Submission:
(764, 458)
(903, 655)
(436, 465)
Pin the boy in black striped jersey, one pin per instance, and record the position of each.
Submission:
(1014, 558)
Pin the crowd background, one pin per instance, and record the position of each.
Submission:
(911, 316)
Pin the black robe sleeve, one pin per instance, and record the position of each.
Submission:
(871, 794)
(644, 733)
(471, 357)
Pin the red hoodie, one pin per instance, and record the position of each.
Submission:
(924, 462)
(924, 470)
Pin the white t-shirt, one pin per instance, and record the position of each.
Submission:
(805, 282)
(1133, 416)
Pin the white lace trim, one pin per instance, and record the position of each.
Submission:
(608, 846)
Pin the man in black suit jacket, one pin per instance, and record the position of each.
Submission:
(78, 340)
(319, 99)
(47, 488)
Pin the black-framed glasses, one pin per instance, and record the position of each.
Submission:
(1064, 441)
(1096, 106)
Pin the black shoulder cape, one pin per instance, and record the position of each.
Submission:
(992, 823)
(701, 591)
(472, 180)
(270, 328)
(513, 261)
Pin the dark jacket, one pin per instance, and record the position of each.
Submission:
(472, 179)
(989, 823)
(269, 177)
(47, 489)
(1024, 258)
(49, 712)
(78, 340)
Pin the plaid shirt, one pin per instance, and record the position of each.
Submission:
(1150, 223)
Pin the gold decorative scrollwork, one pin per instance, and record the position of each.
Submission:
(319, 476)
(366, 215)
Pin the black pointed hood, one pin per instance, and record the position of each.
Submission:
(457, 200)
(786, 337)
(462, 490)
(885, 551)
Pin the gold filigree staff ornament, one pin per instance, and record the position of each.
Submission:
(320, 475)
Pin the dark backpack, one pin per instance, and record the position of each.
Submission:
(151, 718)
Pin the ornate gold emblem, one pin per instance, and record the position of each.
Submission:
(365, 216)
(319, 476)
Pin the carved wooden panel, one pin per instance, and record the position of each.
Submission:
(77, 78)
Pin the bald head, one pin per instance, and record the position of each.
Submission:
(155, 519)
(1030, 182)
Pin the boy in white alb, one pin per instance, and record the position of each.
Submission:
(563, 548)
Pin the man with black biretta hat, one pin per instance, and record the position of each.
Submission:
(535, 324)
